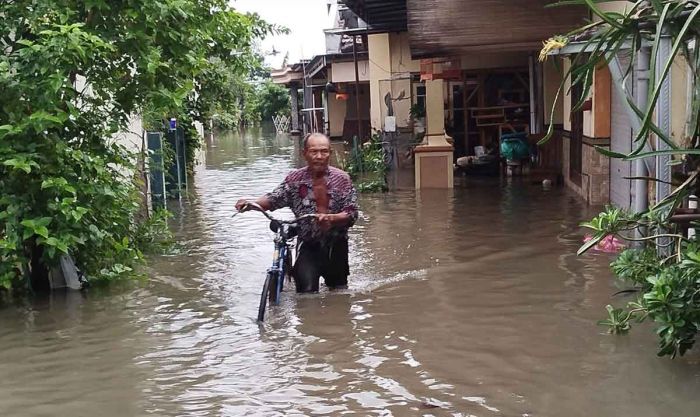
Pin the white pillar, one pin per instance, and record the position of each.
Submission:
(434, 160)
(435, 113)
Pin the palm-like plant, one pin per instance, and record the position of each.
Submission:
(669, 29)
(644, 23)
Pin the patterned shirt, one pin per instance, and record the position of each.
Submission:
(297, 193)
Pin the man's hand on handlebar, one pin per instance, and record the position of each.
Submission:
(243, 205)
(260, 204)
(326, 220)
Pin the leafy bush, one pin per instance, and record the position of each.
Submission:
(670, 297)
(367, 158)
(669, 286)
(71, 77)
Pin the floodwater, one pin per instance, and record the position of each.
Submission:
(462, 303)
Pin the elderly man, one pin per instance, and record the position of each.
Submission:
(328, 193)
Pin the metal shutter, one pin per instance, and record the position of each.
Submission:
(621, 141)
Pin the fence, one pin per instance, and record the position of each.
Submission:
(281, 123)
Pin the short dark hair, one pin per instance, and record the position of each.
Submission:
(305, 141)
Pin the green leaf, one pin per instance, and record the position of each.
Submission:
(25, 42)
(7, 130)
(41, 115)
(78, 213)
(680, 37)
(29, 223)
(21, 164)
(42, 231)
(58, 244)
(43, 221)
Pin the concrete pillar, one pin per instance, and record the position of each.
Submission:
(434, 159)
(379, 69)
(435, 113)
(294, 97)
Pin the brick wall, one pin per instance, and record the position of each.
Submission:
(594, 184)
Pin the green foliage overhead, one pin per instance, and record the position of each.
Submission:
(642, 24)
(72, 73)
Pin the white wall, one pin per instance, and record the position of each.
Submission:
(552, 81)
(401, 61)
(379, 69)
(679, 99)
(132, 136)
(337, 110)
(344, 72)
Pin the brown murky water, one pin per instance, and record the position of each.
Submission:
(463, 303)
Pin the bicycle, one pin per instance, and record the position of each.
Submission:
(285, 231)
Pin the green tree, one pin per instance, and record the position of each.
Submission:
(66, 187)
(273, 100)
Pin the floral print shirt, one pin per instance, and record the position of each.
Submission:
(297, 193)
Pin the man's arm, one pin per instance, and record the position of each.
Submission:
(263, 202)
(348, 215)
(278, 198)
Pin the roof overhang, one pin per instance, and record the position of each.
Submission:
(322, 62)
(453, 28)
(287, 75)
(316, 65)
(380, 15)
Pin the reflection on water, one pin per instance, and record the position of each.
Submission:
(468, 302)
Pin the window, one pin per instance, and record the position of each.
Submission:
(419, 94)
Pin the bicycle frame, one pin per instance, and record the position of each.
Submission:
(279, 267)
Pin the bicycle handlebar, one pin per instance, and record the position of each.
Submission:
(259, 208)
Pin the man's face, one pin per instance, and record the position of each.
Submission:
(317, 153)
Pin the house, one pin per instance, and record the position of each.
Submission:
(292, 77)
(608, 122)
(474, 65)
(335, 84)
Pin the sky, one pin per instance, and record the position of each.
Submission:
(305, 19)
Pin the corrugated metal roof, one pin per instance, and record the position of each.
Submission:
(454, 27)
